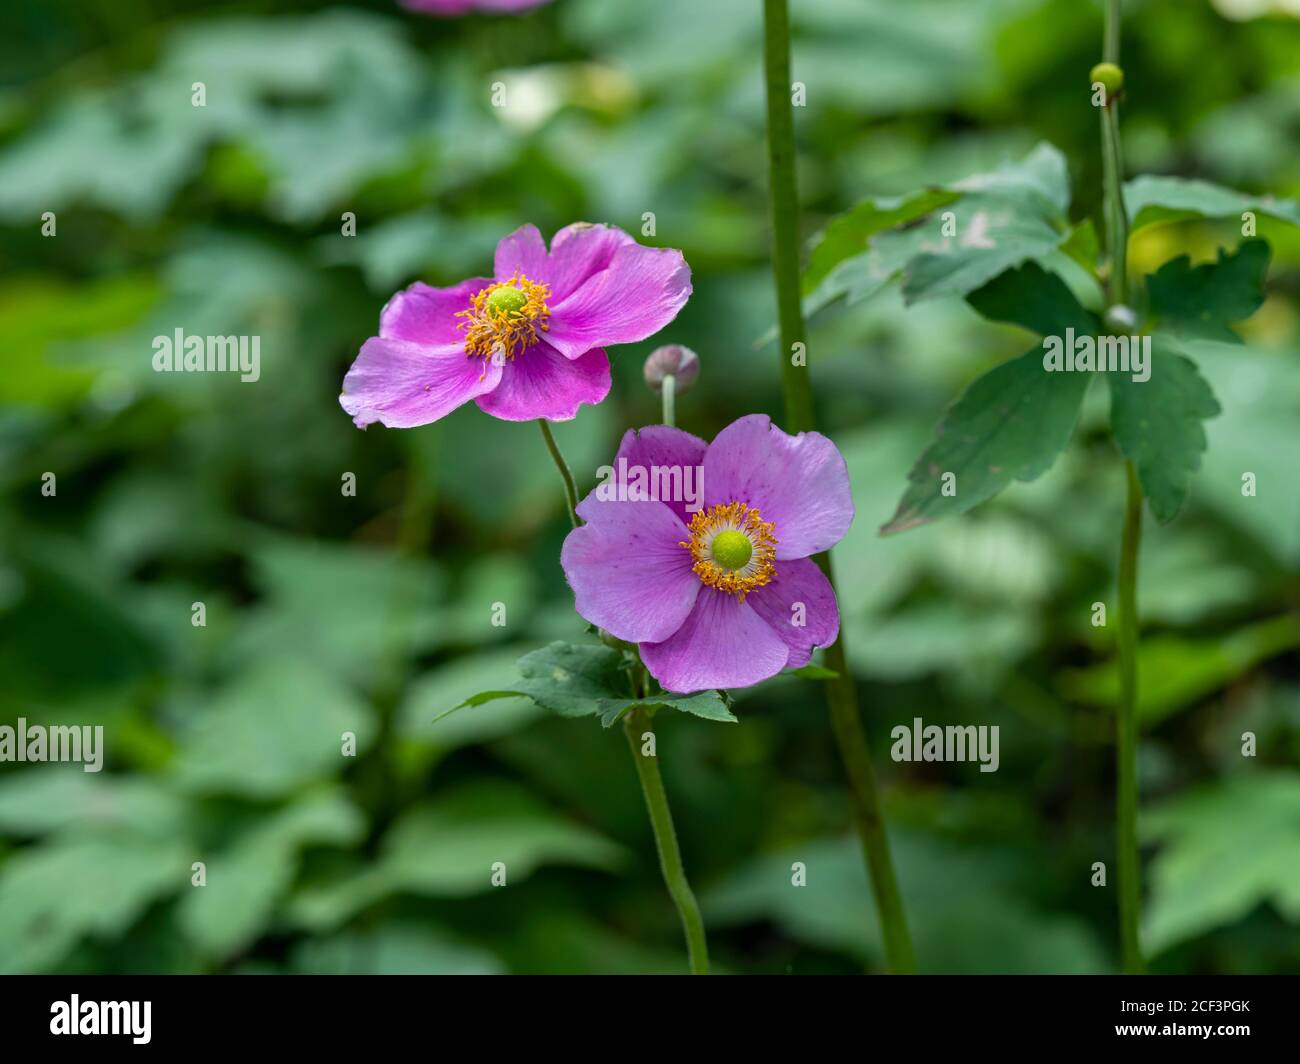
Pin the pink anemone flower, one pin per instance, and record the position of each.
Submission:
(526, 343)
(700, 553)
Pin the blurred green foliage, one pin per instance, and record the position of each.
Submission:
(327, 613)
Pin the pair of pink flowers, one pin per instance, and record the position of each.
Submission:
(720, 595)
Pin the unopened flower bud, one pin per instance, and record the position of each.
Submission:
(1110, 76)
(673, 360)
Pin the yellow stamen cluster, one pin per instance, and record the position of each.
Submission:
(500, 323)
(758, 570)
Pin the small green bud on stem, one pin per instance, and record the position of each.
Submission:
(1110, 76)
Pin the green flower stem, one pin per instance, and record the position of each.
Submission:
(635, 723)
(570, 488)
(841, 695)
(784, 200)
(1110, 42)
(1114, 216)
(647, 768)
(841, 692)
(1128, 865)
(1126, 733)
(670, 400)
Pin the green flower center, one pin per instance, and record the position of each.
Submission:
(507, 299)
(731, 549)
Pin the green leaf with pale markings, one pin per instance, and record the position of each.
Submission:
(944, 242)
(994, 231)
(850, 234)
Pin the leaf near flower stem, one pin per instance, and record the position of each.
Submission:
(581, 680)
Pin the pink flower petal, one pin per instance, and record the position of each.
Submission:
(722, 643)
(523, 251)
(798, 582)
(658, 448)
(426, 315)
(540, 382)
(403, 384)
(636, 295)
(578, 253)
(798, 482)
(628, 572)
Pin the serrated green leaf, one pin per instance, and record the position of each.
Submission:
(863, 275)
(994, 232)
(572, 679)
(850, 234)
(1152, 198)
(1009, 425)
(577, 680)
(1035, 299)
(710, 705)
(1157, 424)
(1000, 219)
(1204, 301)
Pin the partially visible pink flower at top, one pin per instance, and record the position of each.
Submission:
(461, 7)
(701, 553)
(527, 343)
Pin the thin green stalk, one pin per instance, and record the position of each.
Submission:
(670, 399)
(841, 696)
(635, 723)
(1126, 733)
(1114, 215)
(570, 488)
(841, 692)
(784, 202)
(647, 768)
(1128, 864)
(1110, 42)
